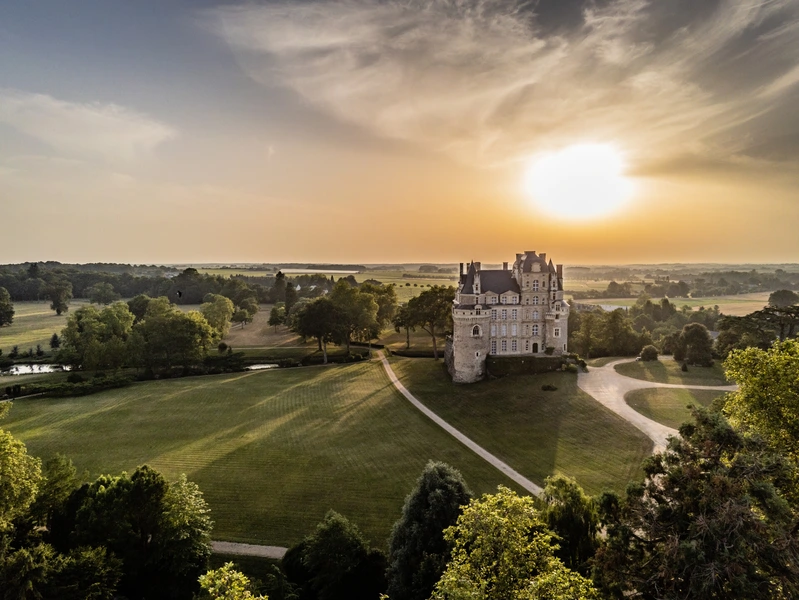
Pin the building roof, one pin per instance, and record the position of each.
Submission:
(498, 281)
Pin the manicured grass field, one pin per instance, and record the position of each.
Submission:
(737, 305)
(669, 406)
(34, 323)
(537, 433)
(272, 451)
(667, 370)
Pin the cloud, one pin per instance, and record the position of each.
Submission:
(109, 131)
(483, 81)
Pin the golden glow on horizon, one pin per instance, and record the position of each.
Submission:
(583, 181)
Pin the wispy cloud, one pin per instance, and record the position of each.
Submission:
(94, 130)
(483, 81)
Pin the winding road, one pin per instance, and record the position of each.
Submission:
(604, 384)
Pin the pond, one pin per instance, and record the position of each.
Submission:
(34, 369)
(261, 367)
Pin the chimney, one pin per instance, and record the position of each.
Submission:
(530, 252)
(560, 271)
(461, 270)
(544, 256)
(505, 266)
(477, 265)
(518, 256)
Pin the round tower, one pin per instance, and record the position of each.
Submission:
(470, 343)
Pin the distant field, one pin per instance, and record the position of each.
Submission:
(737, 305)
(667, 370)
(34, 323)
(537, 433)
(669, 406)
(272, 451)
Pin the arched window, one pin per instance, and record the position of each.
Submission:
(476, 331)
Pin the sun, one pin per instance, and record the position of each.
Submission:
(580, 182)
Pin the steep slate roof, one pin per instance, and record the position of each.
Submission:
(468, 282)
(498, 281)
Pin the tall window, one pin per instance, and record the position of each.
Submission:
(504, 314)
(514, 299)
(535, 285)
(504, 345)
(535, 329)
(493, 329)
(476, 331)
(514, 314)
(513, 346)
(557, 331)
(504, 329)
(513, 330)
(494, 313)
(493, 346)
(535, 315)
(535, 299)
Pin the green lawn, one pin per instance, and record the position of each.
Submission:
(667, 370)
(537, 433)
(34, 323)
(669, 406)
(272, 451)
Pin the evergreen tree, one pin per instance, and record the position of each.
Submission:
(418, 553)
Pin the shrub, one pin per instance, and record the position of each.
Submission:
(549, 350)
(684, 367)
(649, 353)
(75, 378)
(570, 368)
(548, 387)
(221, 347)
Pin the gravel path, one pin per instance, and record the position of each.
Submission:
(248, 549)
(473, 446)
(608, 387)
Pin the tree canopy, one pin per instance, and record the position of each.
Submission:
(6, 308)
(432, 311)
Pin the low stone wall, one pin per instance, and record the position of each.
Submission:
(499, 366)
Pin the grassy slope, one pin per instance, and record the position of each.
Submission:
(34, 323)
(272, 451)
(739, 304)
(668, 370)
(669, 406)
(538, 433)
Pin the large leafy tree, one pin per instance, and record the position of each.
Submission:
(321, 320)
(402, 321)
(6, 308)
(97, 339)
(59, 292)
(418, 553)
(695, 345)
(357, 312)
(503, 549)
(336, 563)
(432, 311)
(710, 521)
(783, 298)
(218, 311)
(160, 531)
(386, 298)
(20, 477)
(102, 293)
(767, 400)
(572, 515)
(226, 583)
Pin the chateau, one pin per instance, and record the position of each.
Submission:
(516, 312)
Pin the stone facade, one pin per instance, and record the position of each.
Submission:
(517, 311)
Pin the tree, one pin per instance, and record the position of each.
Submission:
(418, 553)
(337, 563)
(709, 521)
(649, 353)
(695, 345)
(386, 298)
(432, 311)
(291, 296)
(357, 311)
(59, 292)
(226, 583)
(138, 306)
(767, 400)
(20, 476)
(241, 317)
(218, 311)
(502, 549)
(160, 531)
(96, 339)
(277, 316)
(55, 342)
(102, 293)
(783, 298)
(321, 319)
(573, 517)
(6, 308)
(402, 321)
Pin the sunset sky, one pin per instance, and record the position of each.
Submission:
(376, 131)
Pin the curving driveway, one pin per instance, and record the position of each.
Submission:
(608, 387)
